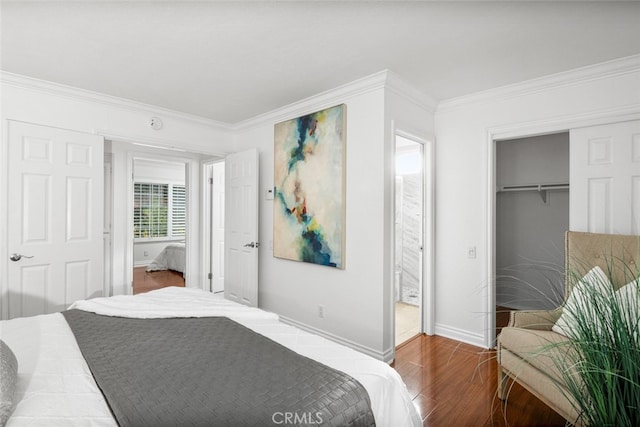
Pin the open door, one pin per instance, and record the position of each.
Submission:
(55, 237)
(216, 227)
(241, 227)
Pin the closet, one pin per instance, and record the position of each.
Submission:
(532, 215)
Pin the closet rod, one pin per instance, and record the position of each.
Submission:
(540, 188)
(533, 187)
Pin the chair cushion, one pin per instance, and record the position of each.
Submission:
(546, 351)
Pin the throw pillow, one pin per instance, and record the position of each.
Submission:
(8, 378)
(581, 304)
(628, 301)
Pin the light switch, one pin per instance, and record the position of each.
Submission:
(471, 252)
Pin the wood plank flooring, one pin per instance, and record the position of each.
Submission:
(454, 384)
(145, 281)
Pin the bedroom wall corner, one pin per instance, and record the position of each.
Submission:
(357, 300)
(464, 128)
(352, 298)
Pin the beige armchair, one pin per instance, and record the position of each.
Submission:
(524, 347)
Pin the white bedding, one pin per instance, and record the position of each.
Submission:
(55, 386)
(172, 257)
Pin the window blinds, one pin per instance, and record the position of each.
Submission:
(159, 210)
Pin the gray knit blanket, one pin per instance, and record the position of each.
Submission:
(211, 372)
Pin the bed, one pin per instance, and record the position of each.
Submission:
(172, 257)
(55, 385)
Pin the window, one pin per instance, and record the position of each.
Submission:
(159, 211)
(178, 211)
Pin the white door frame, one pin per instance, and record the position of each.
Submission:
(523, 130)
(428, 229)
(122, 234)
(206, 213)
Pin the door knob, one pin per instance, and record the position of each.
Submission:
(18, 257)
(252, 245)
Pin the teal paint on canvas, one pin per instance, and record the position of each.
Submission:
(309, 204)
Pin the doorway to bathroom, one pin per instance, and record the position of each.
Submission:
(409, 235)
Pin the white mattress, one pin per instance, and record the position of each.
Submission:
(56, 388)
(172, 257)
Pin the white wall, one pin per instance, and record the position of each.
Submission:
(123, 121)
(165, 172)
(355, 299)
(352, 298)
(464, 158)
(408, 114)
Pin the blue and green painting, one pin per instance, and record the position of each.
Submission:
(308, 216)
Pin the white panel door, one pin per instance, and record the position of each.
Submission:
(55, 238)
(241, 228)
(605, 178)
(217, 228)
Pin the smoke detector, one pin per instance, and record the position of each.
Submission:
(155, 123)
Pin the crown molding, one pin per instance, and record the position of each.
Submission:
(565, 122)
(399, 86)
(316, 102)
(616, 67)
(57, 89)
(384, 79)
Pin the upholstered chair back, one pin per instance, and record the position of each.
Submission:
(617, 255)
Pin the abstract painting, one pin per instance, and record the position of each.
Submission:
(309, 193)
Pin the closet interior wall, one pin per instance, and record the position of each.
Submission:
(532, 214)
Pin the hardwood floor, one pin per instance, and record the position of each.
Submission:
(144, 281)
(454, 384)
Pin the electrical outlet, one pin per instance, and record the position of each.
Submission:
(321, 311)
(146, 253)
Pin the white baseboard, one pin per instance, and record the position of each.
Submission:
(386, 356)
(460, 335)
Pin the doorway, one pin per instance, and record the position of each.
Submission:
(409, 235)
(159, 223)
(531, 217)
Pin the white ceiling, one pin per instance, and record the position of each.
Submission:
(230, 61)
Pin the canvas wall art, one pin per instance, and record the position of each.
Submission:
(309, 196)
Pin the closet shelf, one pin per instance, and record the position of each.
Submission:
(540, 188)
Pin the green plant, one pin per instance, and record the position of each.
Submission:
(600, 363)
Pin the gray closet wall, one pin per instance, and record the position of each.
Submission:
(530, 224)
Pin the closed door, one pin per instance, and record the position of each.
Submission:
(55, 238)
(241, 227)
(605, 178)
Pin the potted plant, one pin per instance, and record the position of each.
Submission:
(600, 363)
